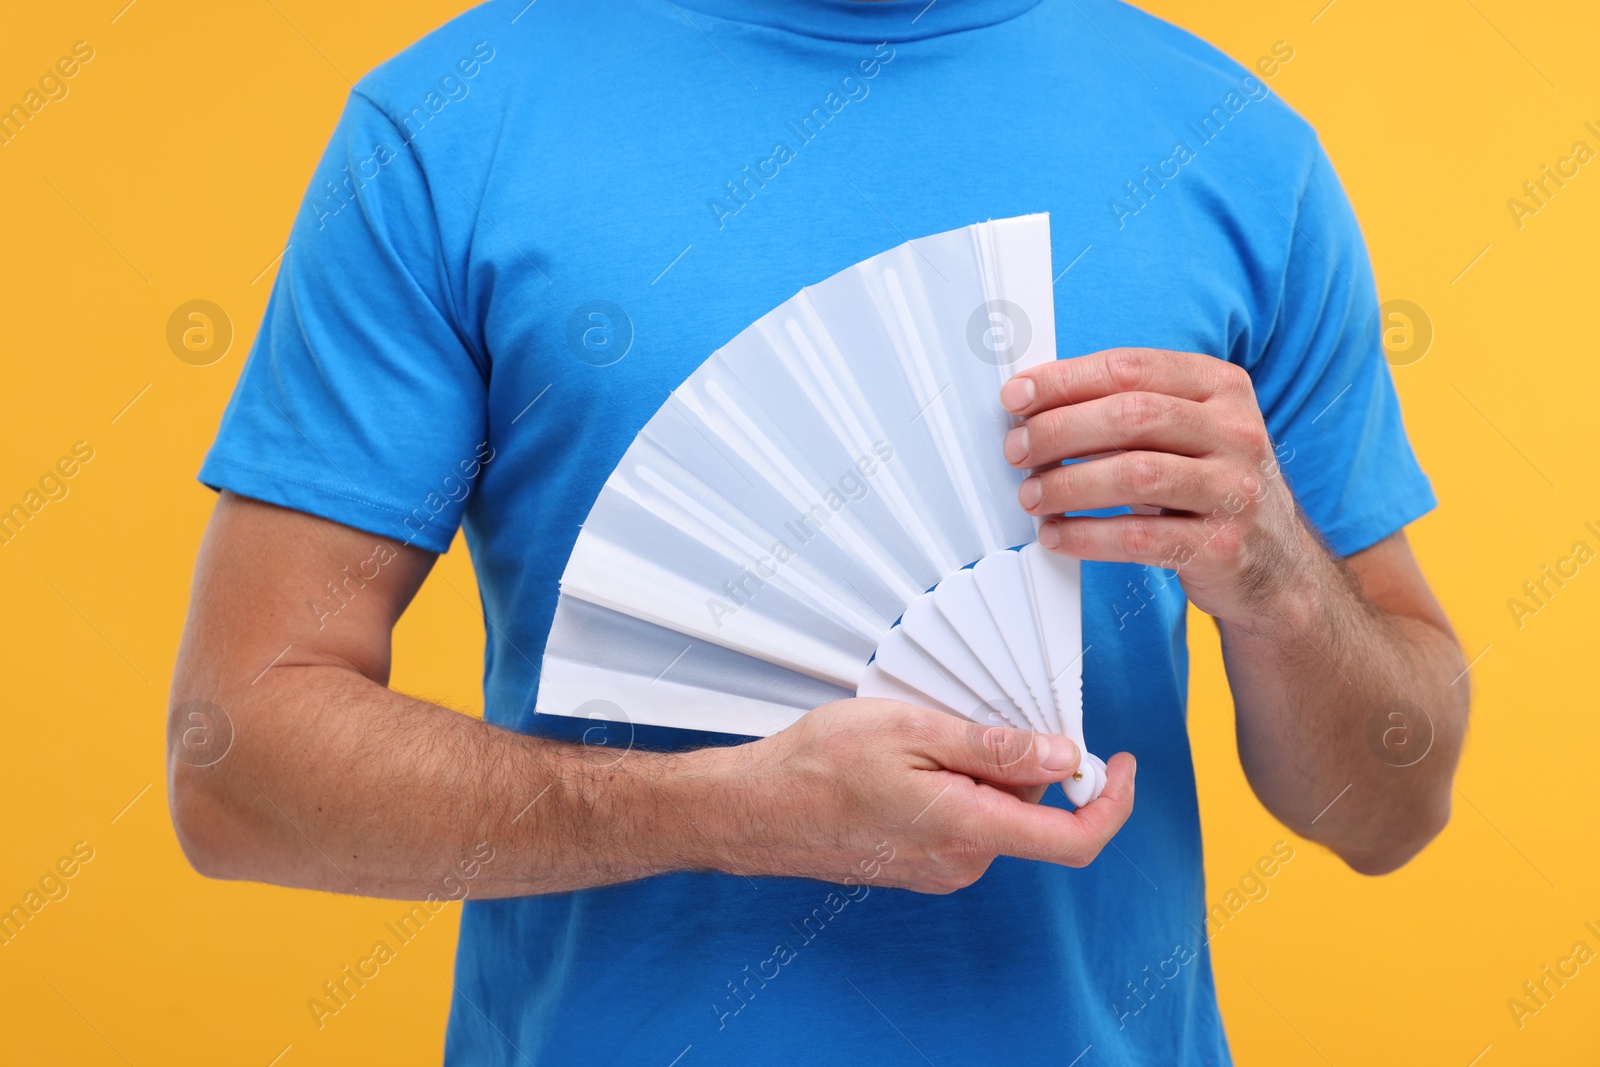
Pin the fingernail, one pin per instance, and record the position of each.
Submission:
(1031, 492)
(1050, 536)
(1016, 445)
(1017, 394)
(1055, 753)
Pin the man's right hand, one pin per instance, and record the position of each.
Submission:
(292, 762)
(946, 795)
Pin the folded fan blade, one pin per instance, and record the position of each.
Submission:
(1056, 591)
(1055, 583)
(602, 664)
(928, 629)
(961, 603)
(878, 683)
(909, 664)
(1005, 591)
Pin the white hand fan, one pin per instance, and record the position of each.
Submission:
(822, 510)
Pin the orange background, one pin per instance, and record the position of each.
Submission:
(170, 173)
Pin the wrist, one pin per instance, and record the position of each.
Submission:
(1294, 592)
(591, 815)
(706, 807)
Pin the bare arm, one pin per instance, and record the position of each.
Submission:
(1352, 704)
(334, 782)
(1320, 652)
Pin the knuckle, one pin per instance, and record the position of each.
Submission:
(1045, 431)
(1076, 477)
(993, 742)
(1127, 368)
(1001, 747)
(1141, 472)
(1138, 537)
(1234, 379)
(1139, 412)
(1245, 432)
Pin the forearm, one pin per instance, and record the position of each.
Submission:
(1350, 718)
(334, 782)
(338, 784)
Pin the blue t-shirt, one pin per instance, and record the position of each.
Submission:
(431, 359)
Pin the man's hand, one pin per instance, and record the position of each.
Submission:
(867, 780)
(1189, 440)
(292, 762)
(1324, 655)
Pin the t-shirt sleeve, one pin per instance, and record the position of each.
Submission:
(1324, 385)
(362, 400)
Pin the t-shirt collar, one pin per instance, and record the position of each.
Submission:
(865, 20)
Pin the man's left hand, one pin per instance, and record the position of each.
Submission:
(1188, 451)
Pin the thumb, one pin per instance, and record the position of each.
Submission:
(1001, 754)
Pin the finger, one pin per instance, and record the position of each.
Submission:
(1166, 541)
(1122, 370)
(1106, 424)
(1041, 832)
(1178, 483)
(1103, 816)
(998, 754)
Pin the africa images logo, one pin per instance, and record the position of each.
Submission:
(600, 333)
